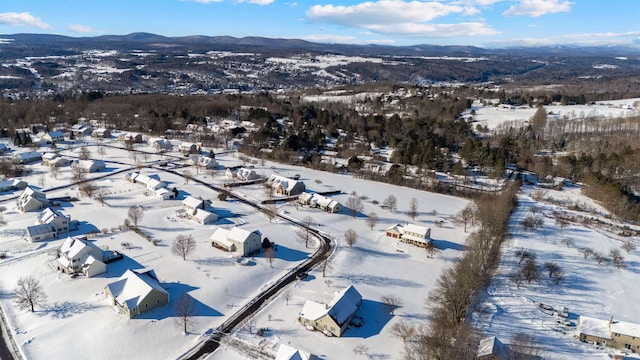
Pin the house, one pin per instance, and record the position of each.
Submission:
(101, 133)
(333, 318)
(193, 203)
(164, 194)
(206, 162)
(239, 240)
(81, 129)
(50, 224)
(620, 335)
(200, 216)
(151, 182)
(53, 137)
(136, 292)
(78, 255)
(285, 186)
(90, 166)
(27, 157)
(31, 200)
(412, 234)
(160, 144)
(322, 202)
(242, 174)
(491, 348)
(286, 352)
(12, 185)
(53, 159)
(130, 137)
(188, 148)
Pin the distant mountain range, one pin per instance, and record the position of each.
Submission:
(42, 64)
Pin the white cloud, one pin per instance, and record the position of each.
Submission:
(403, 18)
(535, 8)
(344, 39)
(206, 1)
(22, 19)
(80, 29)
(257, 2)
(595, 39)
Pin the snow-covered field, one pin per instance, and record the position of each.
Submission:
(492, 116)
(591, 289)
(79, 322)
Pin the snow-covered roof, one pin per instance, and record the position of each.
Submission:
(50, 156)
(416, 229)
(238, 234)
(133, 286)
(192, 202)
(286, 352)
(221, 236)
(48, 215)
(73, 246)
(491, 346)
(343, 305)
(155, 183)
(203, 214)
(287, 184)
(161, 191)
(313, 310)
(88, 164)
(27, 155)
(12, 183)
(594, 327)
(625, 328)
(40, 229)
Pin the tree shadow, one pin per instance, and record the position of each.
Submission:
(289, 254)
(226, 261)
(447, 245)
(66, 309)
(379, 281)
(374, 318)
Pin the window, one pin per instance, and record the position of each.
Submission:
(146, 306)
(157, 301)
(627, 346)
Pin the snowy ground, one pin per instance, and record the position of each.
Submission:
(590, 289)
(79, 322)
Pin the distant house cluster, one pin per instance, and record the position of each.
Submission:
(237, 240)
(321, 202)
(412, 234)
(333, 318)
(285, 186)
(203, 162)
(616, 334)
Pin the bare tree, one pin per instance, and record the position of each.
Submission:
(135, 214)
(28, 293)
(372, 220)
(628, 246)
(102, 151)
(557, 277)
(269, 253)
(87, 188)
(77, 173)
(403, 330)
(270, 211)
(42, 179)
(530, 270)
(551, 267)
(361, 350)
(431, 249)
(54, 171)
(588, 252)
(600, 258)
(413, 208)
(85, 154)
(184, 311)
(355, 205)
(391, 302)
(187, 175)
(531, 222)
(350, 237)
(287, 297)
(101, 196)
(183, 245)
(391, 203)
(327, 265)
(616, 258)
(464, 216)
(303, 234)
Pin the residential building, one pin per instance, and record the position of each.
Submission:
(237, 240)
(319, 201)
(285, 186)
(620, 335)
(90, 166)
(151, 182)
(333, 318)
(130, 137)
(101, 133)
(188, 148)
(27, 157)
(50, 224)
(286, 352)
(164, 194)
(412, 234)
(12, 185)
(53, 159)
(53, 137)
(136, 292)
(32, 200)
(200, 216)
(160, 144)
(78, 255)
(81, 130)
(242, 174)
(193, 203)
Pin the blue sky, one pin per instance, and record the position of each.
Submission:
(486, 23)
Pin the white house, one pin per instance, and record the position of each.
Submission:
(322, 202)
(410, 233)
(78, 255)
(50, 224)
(192, 203)
(101, 133)
(242, 174)
(136, 292)
(81, 129)
(12, 185)
(53, 137)
(31, 200)
(151, 182)
(333, 318)
(164, 194)
(90, 166)
(239, 240)
(27, 157)
(285, 186)
(188, 148)
(203, 217)
(160, 144)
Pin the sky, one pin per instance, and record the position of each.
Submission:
(484, 23)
